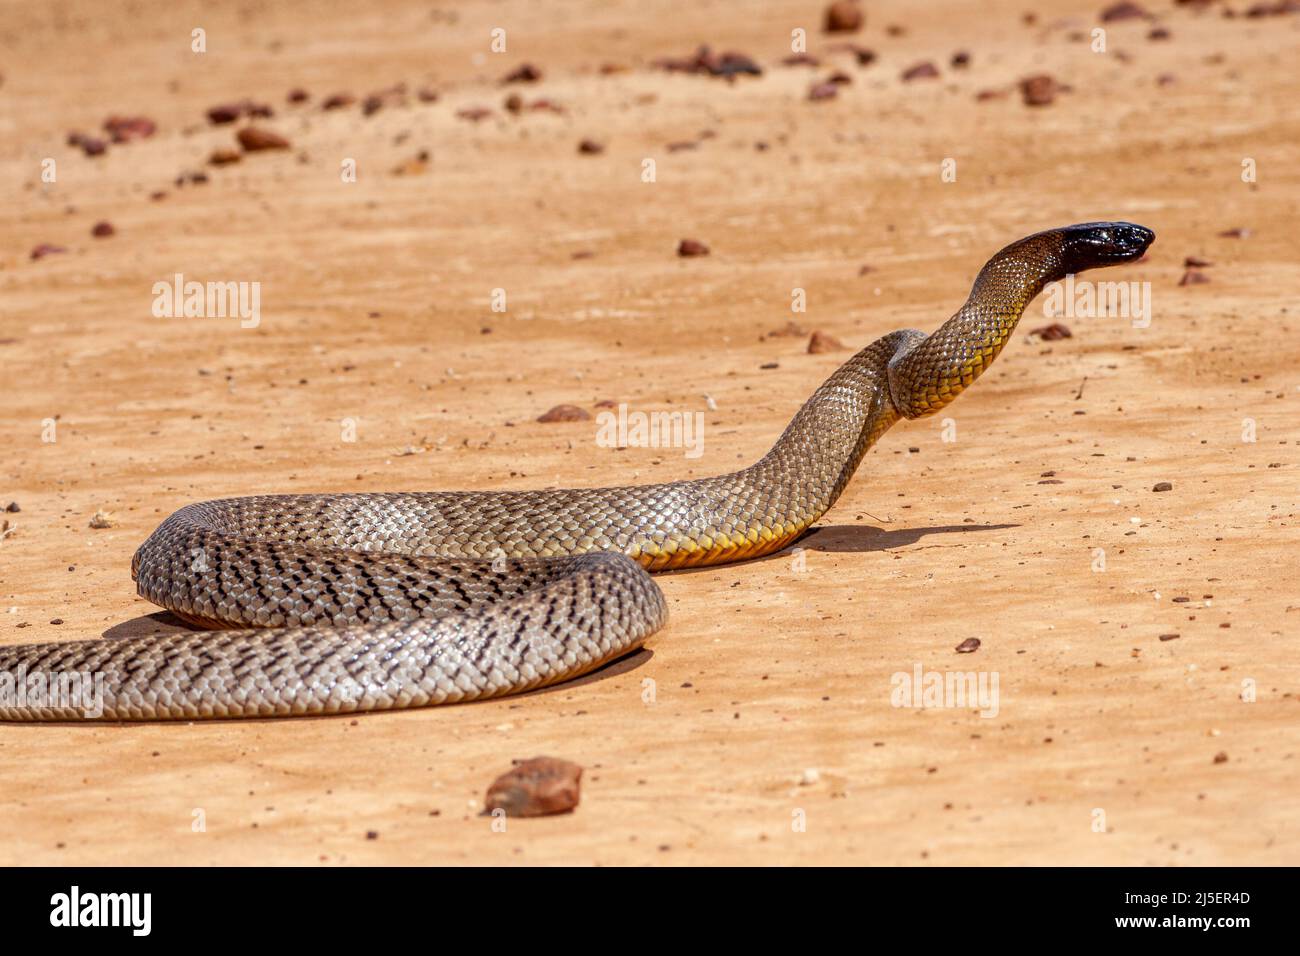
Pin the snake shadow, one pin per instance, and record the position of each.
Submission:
(157, 624)
(855, 539)
(859, 538)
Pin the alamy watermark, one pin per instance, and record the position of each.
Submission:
(952, 689)
(53, 690)
(1099, 300)
(658, 429)
(208, 300)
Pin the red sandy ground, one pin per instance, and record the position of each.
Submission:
(771, 686)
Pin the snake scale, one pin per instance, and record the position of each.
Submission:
(358, 602)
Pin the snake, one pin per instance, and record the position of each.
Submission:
(314, 604)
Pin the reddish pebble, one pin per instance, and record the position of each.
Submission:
(1123, 11)
(535, 788)
(103, 229)
(843, 16)
(824, 91)
(338, 101)
(92, 146)
(254, 139)
(691, 247)
(524, 73)
(565, 413)
(124, 129)
(589, 147)
(1193, 277)
(921, 71)
(224, 157)
(1053, 332)
(1040, 89)
(968, 646)
(220, 115)
(46, 249)
(820, 342)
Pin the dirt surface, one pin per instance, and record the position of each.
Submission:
(767, 733)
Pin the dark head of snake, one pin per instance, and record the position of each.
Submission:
(333, 603)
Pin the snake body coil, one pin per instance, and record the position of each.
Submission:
(357, 602)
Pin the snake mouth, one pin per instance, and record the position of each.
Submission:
(1092, 244)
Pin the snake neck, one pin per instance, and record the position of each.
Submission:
(821, 448)
(928, 376)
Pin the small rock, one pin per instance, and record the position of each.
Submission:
(820, 342)
(338, 101)
(565, 413)
(535, 788)
(524, 73)
(960, 60)
(1123, 11)
(691, 247)
(1195, 262)
(1053, 333)
(1170, 637)
(968, 646)
(474, 113)
(393, 96)
(46, 249)
(224, 157)
(1163, 486)
(865, 56)
(298, 95)
(102, 229)
(824, 91)
(1237, 233)
(102, 519)
(921, 71)
(226, 113)
(88, 144)
(124, 129)
(1193, 277)
(254, 139)
(589, 147)
(843, 16)
(705, 61)
(1040, 89)
(13, 508)
(1221, 757)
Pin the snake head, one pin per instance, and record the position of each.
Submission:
(1093, 244)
